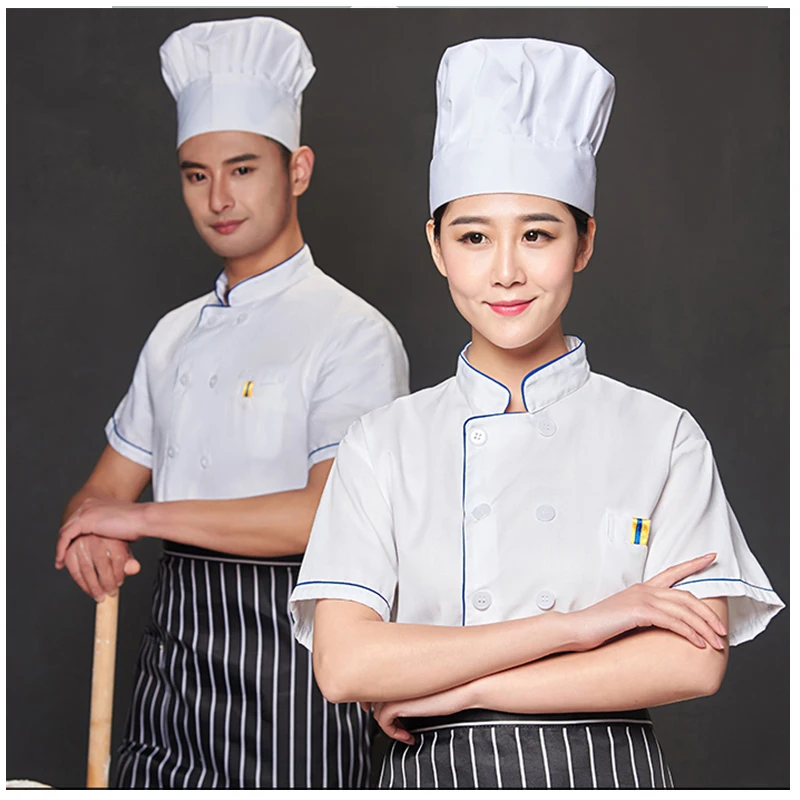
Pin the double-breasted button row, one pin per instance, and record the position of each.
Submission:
(482, 599)
(544, 425)
(184, 379)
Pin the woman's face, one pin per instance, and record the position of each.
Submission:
(509, 260)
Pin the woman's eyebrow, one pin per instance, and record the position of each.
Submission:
(541, 216)
(467, 220)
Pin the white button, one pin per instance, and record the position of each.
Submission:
(210, 322)
(482, 600)
(547, 427)
(241, 318)
(172, 451)
(203, 462)
(184, 379)
(481, 511)
(545, 600)
(545, 513)
(477, 436)
(212, 381)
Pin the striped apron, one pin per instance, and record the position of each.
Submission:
(493, 750)
(224, 697)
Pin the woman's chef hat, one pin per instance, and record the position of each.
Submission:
(525, 116)
(238, 75)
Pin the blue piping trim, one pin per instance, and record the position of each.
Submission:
(347, 583)
(538, 369)
(475, 369)
(208, 305)
(728, 580)
(332, 444)
(261, 274)
(464, 497)
(216, 280)
(116, 430)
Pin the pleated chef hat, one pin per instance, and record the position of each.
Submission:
(238, 75)
(525, 116)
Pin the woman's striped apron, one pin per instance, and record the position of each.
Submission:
(224, 696)
(494, 750)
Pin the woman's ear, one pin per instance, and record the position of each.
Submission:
(436, 251)
(585, 246)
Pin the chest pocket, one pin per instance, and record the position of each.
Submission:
(623, 547)
(259, 407)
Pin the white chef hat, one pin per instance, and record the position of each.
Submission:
(525, 116)
(238, 75)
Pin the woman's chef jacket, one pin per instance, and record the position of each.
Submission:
(443, 510)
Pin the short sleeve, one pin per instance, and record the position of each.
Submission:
(130, 429)
(364, 369)
(692, 518)
(351, 553)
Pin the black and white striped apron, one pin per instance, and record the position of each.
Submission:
(494, 750)
(224, 696)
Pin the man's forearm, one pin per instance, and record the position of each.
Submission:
(640, 670)
(267, 525)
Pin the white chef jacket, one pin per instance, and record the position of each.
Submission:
(241, 398)
(443, 510)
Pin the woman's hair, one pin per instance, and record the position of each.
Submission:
(581, 220)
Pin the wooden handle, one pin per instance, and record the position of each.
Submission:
(105, 648)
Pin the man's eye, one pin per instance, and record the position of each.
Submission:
(195, 177)
(242, 170)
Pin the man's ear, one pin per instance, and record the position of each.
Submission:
(585, 246)
(301, 166)
(436, 252)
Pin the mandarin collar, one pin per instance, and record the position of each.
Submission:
(541, 387)
(266, 284)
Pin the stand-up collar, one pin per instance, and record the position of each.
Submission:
(540, 388)
(267, 284)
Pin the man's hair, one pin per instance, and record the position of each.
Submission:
(286, 153)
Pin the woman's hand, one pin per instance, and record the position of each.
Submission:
(653, 604)
(99, 566)
(111, 519)
(387, 715)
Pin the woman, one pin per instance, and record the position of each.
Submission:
(552, 549)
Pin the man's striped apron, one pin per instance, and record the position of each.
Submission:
(224, 696)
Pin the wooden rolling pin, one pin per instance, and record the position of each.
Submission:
(105, 648)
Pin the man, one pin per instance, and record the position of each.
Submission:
(235, 411)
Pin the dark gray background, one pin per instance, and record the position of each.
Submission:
(686, 296)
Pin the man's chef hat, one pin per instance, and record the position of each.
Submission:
(525, 116)
(238, 75)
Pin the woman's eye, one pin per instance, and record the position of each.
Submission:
(536, 236)
(473, 238)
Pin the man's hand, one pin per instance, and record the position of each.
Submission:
(111, 519)
(99, 566)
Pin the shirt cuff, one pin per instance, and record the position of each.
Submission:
(322, 453)
(750, 607)
(306, 593)
(126, 448)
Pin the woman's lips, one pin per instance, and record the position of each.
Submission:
(510, 308)
(227, 227)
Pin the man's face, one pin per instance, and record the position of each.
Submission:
(237, 189)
